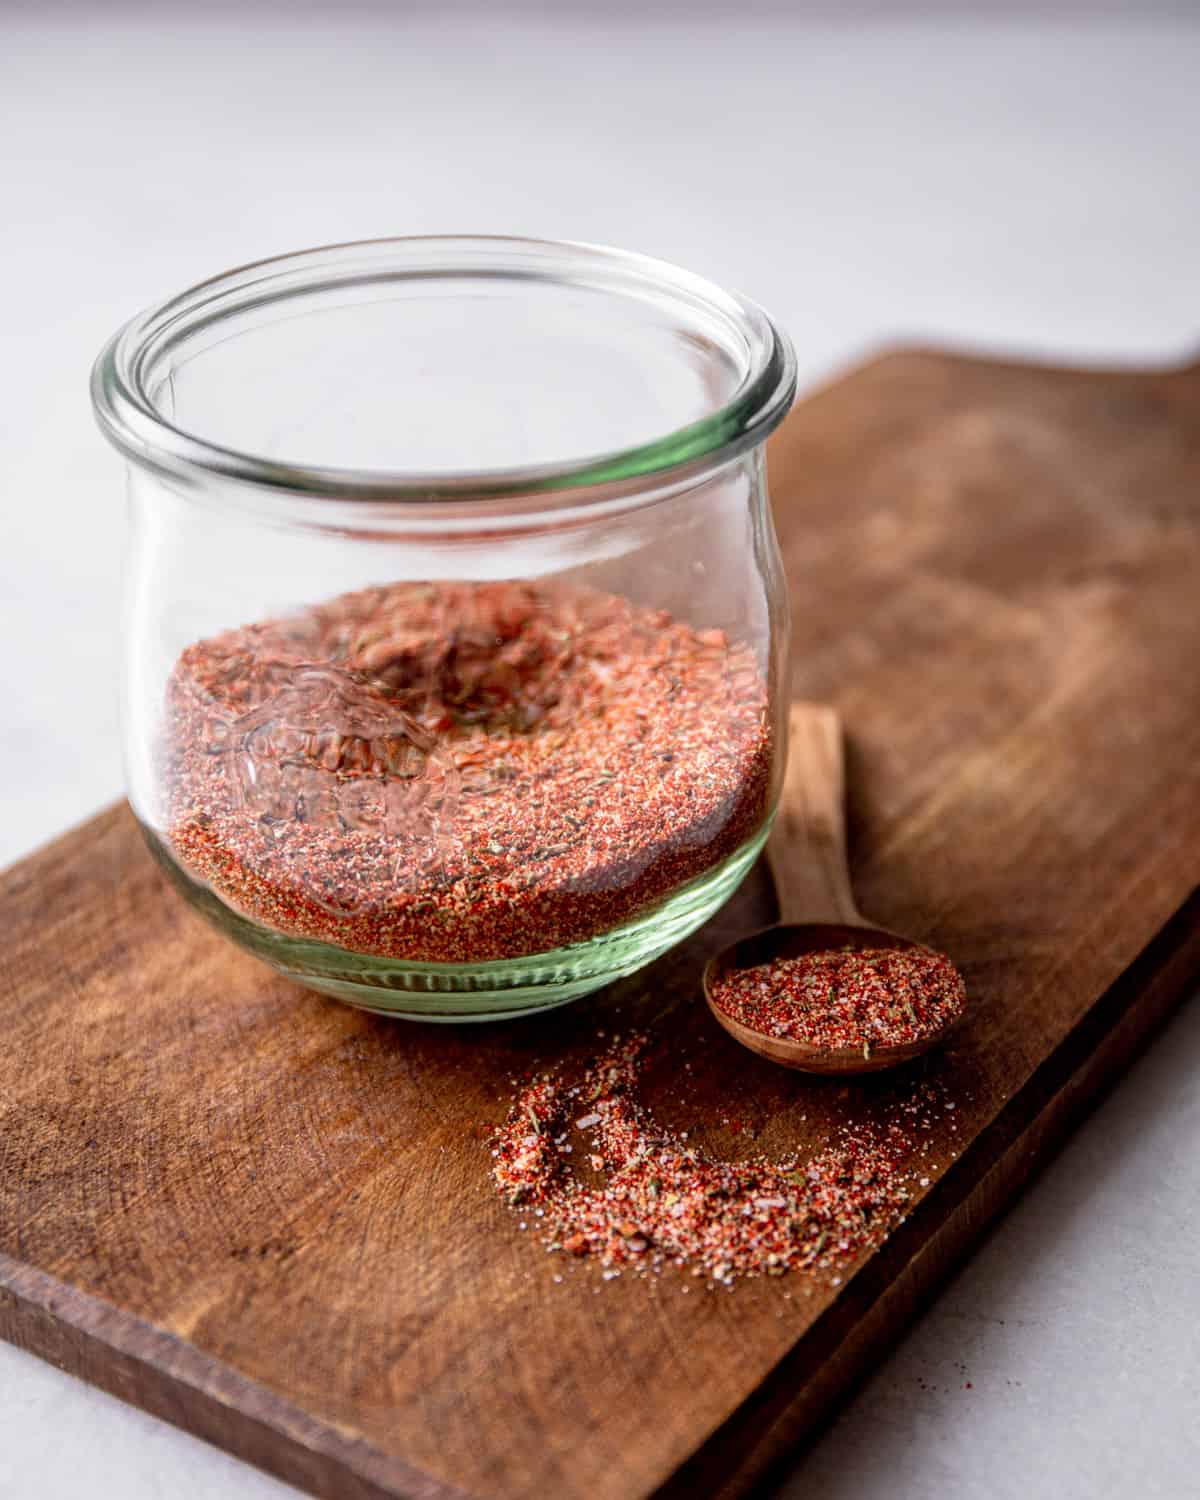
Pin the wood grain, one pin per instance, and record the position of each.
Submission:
(268, 1218)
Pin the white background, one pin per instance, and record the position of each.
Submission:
(1028, 185)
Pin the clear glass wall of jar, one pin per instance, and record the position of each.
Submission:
(456, 627)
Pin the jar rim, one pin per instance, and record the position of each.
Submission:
(131, 420)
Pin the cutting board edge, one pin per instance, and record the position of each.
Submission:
(776, 1420)
(161, 1374)
(18, 871)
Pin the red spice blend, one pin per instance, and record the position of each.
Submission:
(665, 1202)
(462, 772)
(846, 997)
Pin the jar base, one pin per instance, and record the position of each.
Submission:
(490, 991)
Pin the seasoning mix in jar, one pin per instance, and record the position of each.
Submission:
(456, 625)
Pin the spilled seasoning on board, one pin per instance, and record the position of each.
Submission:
(661, 1201)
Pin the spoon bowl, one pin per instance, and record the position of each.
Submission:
(807, 855)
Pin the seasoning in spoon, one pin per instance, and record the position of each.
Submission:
(848, 997)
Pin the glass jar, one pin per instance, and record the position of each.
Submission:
(455, 626)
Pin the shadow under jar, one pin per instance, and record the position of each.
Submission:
(455, 624)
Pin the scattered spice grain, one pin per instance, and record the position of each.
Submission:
(664, 1202)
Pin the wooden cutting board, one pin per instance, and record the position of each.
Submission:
(268, 1218)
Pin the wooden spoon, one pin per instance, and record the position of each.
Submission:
(807, 855)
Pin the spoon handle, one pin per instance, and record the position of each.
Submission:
(807, 846)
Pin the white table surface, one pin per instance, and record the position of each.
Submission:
(1029, 186)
